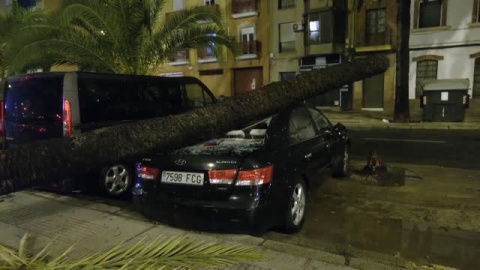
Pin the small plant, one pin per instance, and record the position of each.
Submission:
(161, 253)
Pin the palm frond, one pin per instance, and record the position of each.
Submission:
(161, 253)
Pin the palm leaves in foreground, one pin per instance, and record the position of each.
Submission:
(171, 253)
(120, 36)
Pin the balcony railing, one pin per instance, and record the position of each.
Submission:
(180, 58)
(170, 14)
(244, 6)
(206, 55)
(250, 49)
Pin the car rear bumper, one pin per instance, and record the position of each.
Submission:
(216, 216)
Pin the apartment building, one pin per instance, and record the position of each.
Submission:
(229, 75)
(308, 35)
(445, 44)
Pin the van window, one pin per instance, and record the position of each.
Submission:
(34, 100)
(197, 97)
(103, 100)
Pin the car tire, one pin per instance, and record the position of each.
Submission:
(116, 181)
(340, 169)
(296, 208)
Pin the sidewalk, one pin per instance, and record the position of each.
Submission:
(95, 227)
(372, 120)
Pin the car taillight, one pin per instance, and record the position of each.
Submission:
(222, 177)
(67, 119)
(255, 177)
(2, 119)
(145, 172)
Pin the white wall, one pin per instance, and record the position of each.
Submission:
(460, 28)
(459, 31)
(457, 64)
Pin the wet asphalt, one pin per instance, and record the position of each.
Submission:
(448, 148)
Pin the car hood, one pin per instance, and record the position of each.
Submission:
(222, 147)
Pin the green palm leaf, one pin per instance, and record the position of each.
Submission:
(161, 253)
(122, 36)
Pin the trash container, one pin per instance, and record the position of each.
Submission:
(444, 100)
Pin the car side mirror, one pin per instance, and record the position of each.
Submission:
(339, 126)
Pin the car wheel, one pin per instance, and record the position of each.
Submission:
(341, 168)
(295, 214)
(116, 181)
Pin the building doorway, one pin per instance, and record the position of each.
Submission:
(373, 92)
(247, 79)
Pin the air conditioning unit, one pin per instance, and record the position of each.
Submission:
(298, 27)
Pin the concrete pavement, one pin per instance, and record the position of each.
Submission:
(95, 227)
(374, 120)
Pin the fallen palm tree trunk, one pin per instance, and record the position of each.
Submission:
(36, 162)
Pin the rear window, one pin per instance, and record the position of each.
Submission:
(34, 100)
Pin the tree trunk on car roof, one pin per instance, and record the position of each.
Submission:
(33, 163)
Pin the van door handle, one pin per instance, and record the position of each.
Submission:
(308, 156)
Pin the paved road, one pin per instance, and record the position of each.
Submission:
(449, 148)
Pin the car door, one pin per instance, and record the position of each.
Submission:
(305, 146)
(332, 141)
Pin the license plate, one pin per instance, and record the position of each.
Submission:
(183, 178)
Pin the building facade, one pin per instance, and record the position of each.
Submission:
(48, 5)
(375, 32)
(229, 75)
(445, 44)
(308, 35)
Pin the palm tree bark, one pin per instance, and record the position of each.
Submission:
(35, 163)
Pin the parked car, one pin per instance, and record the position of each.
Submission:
(55, 105)
(257, 177)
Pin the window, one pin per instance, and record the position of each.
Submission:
(286, 37)
(320, 27)
(104, 100)
(178, 5)
(476, 11)
(300, 126)
(209, 2)
(376, 26)
(34, 100)
(27, 4)
(286, 4)
(196, 96)
(285, 76)
(426, 70)
(476, 79)
(431, 13)
(319, 119)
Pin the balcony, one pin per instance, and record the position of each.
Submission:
(244, 8)
(250, 49)
(170, 14)
(179, 59)
(205, 55)
(215, 7)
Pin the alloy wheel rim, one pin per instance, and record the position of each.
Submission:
(298, 204)
(117, 179)
(345, 161)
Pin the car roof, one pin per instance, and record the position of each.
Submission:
(102, 75)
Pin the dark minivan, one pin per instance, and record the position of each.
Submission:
(55, 105)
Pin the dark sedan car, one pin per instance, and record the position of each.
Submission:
(257, 177)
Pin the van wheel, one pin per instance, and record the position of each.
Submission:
(295, 212)
(116, 180)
